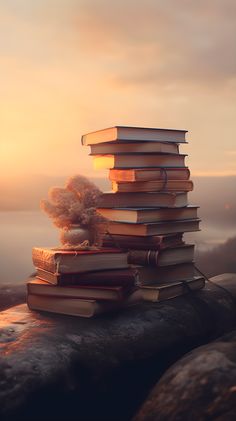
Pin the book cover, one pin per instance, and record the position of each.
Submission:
(149, 174)
(64, 261)
(168, 256)
(154, 242)
(138, 161)
(112, 134)
(145, 215)
(141, 199)
(93, 292)
(153, 228)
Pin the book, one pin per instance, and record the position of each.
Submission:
(169, 256)
(149, 174)
(69, 306)
(138, 160)
(64, 261)
(147, 275)
(112, 277)
(133, 276)
(155, 293)
(91, 308)
(144, 215)
(152, 186)
(134, 148)
(112, 293)
(152, 228)
(154, 242)
(117, 133)
(142, 199)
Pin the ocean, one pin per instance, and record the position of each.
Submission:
(22, 230)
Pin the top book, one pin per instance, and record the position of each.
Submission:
(139, 134)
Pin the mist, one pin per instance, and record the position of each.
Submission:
(221, 259)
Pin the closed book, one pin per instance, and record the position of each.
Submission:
(149, 174)
(144, 215)
(64, 261)
(169, 256)
(158, 228)
(70, 306)
(110, 293)
(133, 147)
(133, 276)
(167, 291)
(138, 160)
(146, 275)
(140, 200)
(154, 242)
(152, 186)
(113, 277)
(124, 133)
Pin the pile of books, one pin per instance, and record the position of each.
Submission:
(76, 282)
(148, 210)
(144, 257)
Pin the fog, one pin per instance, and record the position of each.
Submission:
(24, 226)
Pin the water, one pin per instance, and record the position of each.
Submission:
(20, 231)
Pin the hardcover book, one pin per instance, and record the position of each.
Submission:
(112, 277)
(153, 186)
(137, 242)
(138, 161)
(158, 228)
(93, 292)
(149, 174)
(169, 256)
(124, 133)
(63, 261)
(156, 293)
(133, 147)
(70, 306)
(144, 215)
(141, 199)
(133, 276)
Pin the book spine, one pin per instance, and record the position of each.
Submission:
(142, 243)
(107, 278)
(143, 257)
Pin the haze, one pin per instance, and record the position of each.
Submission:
(69, 67)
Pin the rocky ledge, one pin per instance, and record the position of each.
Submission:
(55, 367)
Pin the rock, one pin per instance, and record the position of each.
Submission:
(201, 386)
(12, 294)
(61, 367)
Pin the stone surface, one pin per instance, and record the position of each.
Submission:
(61, 367)
(201, 386)
(12, 294)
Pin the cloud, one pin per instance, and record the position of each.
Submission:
(155, 42)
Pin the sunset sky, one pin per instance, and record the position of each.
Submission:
(73, 66)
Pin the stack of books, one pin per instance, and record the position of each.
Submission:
(144, 257)
(147, 209)
(76, 282)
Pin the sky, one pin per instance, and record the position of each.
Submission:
(73, 66)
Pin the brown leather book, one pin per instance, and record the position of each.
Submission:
(115, 277)
(169, 256)
(154, 242)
